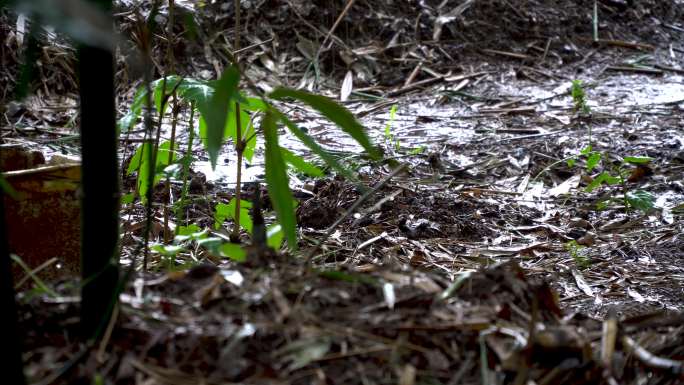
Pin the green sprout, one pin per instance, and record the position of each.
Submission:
(578, 255)
(579, 97)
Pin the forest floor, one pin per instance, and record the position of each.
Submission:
(516, 232)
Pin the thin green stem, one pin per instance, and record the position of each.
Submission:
(180, 211)
(239, 143)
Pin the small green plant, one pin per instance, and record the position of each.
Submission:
(182, 243)
(592, 158)
(618, 175)
(579, 97)
(612, 175)
(188, 236)
(164, 158)
(227, 113)
(578, 254)
(223, 211)
(390, 140)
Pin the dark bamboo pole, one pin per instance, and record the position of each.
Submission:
(100, 184)
(10, 350)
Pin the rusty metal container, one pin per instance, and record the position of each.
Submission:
(42, 214)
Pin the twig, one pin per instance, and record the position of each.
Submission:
(318, 31)
(107, 334)
(35, 272)
(518, 110)
(623, 44)
(514, 55)
(644, 70)
(546, 50)
(333, 28)
(651, 360)
(666, 68)
(241, 50)
(413, 75)
(415, 85)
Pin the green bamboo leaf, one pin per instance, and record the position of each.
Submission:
(166, 156)
(315, 147)
(139, 162)
(612, 180)
(255, 104)
(234, 252)
(143, 181)
(274, 236)
(300, 164)
(212, 244)
(602, 205)
(593, 160)
(388, 126)
(224, 211)
(221, 213)
(601, 178)
(637, 159)
(215, 111)
(335, 113)
(277, 181)
(640, 200)
(167, 250)
(161, 89)
(127, 198)
(191, 230)
(189, 89)
(250, 146)
(128, 120)
(596, 182)
(136, 159)
(194, 90)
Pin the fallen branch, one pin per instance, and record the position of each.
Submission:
(643, 70)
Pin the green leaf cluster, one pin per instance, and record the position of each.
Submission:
(636, 199)
(579, 97)
(577, 253)
(217, 104)
(163, 157)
